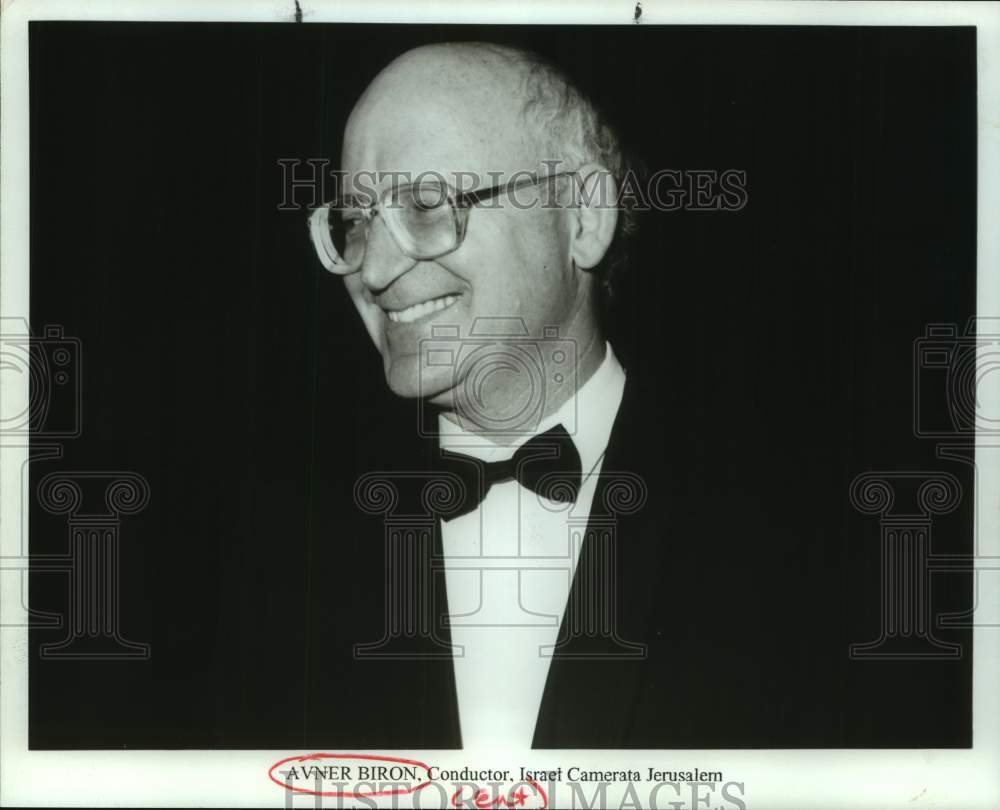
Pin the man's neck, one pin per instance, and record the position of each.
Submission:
(506, 416)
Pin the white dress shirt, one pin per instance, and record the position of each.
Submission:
(509, 565)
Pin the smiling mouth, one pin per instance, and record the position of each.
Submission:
(421, 310)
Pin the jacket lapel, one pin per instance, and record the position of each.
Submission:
(590, 693)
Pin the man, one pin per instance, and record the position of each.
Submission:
(594, 566)
(514, 273)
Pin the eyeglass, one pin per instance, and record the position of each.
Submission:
(426, 220)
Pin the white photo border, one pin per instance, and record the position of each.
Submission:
(828, 778)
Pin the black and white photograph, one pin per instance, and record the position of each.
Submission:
(500, 407)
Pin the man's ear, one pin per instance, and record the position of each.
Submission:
(595, 197)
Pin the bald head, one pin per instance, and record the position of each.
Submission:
(481, 74)
(493, 94)
(445, 108)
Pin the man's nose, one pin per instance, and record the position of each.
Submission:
(384, 262)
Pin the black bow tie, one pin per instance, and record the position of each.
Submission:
(547, 464)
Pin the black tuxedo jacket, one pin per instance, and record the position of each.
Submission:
(738, 579)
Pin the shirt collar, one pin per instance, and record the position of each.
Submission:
(588, 417)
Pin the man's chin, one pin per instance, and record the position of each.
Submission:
(406, 379)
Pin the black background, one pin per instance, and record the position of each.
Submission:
(226, 367)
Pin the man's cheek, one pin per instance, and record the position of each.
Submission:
(372, 318)
(376, 329)
(355, 289)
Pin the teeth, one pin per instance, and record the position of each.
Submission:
(420, 310)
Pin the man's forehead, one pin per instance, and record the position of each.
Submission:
(462, 169)
(410, 124)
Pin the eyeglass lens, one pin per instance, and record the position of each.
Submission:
(420, 217)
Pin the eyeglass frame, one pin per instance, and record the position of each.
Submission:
(460, 202)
